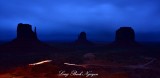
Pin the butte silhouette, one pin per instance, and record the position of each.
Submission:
(125, 36)
(25, 48)
(82, 40)
(26, 42)
(25, 33)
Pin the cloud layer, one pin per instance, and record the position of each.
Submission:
(100, 18)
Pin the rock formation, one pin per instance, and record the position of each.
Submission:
(27, 41)
(24, 32)
(125, 35)
(82, 39)
(26, 48)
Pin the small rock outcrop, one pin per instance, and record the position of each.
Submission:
(24, 32)
(82, 39)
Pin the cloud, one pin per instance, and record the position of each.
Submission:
(73, 16)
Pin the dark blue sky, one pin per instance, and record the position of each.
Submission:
(64, 19)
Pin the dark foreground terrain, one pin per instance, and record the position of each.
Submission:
(79, 61)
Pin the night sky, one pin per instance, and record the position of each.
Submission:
(64, 19)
